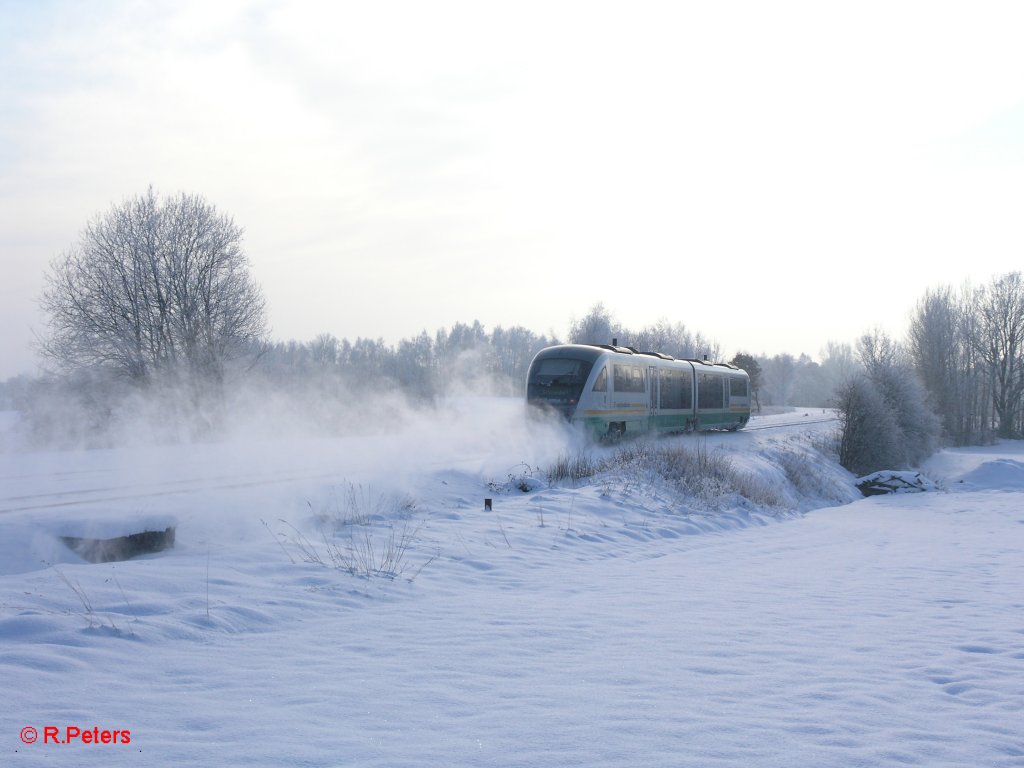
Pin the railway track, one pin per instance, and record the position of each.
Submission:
(83, 496)
(754, 426)
(82, 493)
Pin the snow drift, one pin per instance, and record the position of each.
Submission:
(607, 619)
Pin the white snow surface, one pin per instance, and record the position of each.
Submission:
(609, 622)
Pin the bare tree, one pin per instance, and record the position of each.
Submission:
(153, 288)
(877, 349)
(1000, 344)
(324, 350)
(942, 341)
(973, 390)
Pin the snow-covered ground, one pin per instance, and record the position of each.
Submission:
(608, 622)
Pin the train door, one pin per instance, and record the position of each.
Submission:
(599, 393)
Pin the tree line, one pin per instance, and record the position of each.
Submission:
(968, 346)
(462, 358)
(155, 300)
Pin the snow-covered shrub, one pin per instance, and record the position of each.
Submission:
(357, 530)
(574, 468)
(918, 426)
(794, 466)
(885, 421)
(358, 505)
(365, 556)
(869, 434)
(522, 479)
(708, 476)
(365, 551)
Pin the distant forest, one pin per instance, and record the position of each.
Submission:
(81, 406)
(958, 348)
(465, 358)
(157, 331)
(468, 357)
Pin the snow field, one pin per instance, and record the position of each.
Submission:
(612, 623)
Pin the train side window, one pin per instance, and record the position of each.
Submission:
(628, 378)
(669, 392)
(738, 387)
(675, 390)
(710, 391)
(601, 384)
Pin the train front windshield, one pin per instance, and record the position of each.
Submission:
(558, 382)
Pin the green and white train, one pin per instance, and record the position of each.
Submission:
(617, 391)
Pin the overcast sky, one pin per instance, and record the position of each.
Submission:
(773, 175)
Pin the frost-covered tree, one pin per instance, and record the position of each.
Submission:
(367, 363)
(918, 427)
(885, 419)
(596, 327)
(599, 326)
(414, 366)
(672, 339)
(889, 368)
(868, 432)
(513, 351)
(154, 286)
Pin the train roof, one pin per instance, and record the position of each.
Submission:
(593, 350)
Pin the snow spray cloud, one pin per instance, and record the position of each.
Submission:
(320, 421)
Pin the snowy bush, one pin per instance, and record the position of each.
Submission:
(918, 426)
(522, 479)
(360, 532)
(574, 468)
(691, 470)
(885, 420)
(867, 428)
(358, 550)
(358, 505)
(364, 556)
(710, 475)
(883, 428)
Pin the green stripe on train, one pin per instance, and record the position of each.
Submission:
(675, 422)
